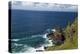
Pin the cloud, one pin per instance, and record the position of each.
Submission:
(24, 5)
(27, 3)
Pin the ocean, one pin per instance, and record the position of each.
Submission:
(29, 27)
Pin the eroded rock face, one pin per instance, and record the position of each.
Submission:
(57, 37)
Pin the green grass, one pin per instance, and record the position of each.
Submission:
(68, 44)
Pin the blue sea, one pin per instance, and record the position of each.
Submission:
(29, 27)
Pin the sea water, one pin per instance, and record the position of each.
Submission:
(29, 28)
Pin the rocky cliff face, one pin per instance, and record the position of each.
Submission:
(57, 37)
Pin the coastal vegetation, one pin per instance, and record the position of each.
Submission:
(68, 37)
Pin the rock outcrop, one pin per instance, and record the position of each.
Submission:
(57, 37)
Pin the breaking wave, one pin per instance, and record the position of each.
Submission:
(31, 44)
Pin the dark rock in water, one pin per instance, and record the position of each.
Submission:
(50, 35)
(45, 47)
(39, 50)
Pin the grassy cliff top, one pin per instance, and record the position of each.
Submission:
(68, 44)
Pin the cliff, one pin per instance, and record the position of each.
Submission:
(71, 38)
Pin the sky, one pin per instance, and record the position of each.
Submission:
(26, 5)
